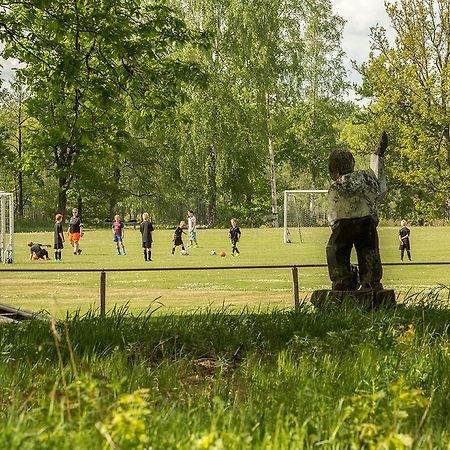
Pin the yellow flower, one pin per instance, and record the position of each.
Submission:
(408, 335)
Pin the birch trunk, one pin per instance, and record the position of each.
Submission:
(273, 180)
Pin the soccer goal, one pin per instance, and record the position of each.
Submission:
(6, 227)
(303, 208)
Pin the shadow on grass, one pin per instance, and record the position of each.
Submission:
(212, 332)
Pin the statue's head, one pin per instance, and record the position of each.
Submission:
(340, 162)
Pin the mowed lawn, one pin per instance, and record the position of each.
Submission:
(59, 292)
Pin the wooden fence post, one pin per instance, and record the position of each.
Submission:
(295, 286)
(102, 293)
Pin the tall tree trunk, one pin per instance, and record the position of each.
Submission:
(273, 181)
(212, 187)
(62, 196)
(80, 206)
(446, 135)
(114, 193)
(20, 201)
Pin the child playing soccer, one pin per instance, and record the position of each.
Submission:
(146, 228)
(118, 234)
(234, 234)
(403, 236)
(58, 237)
(75, 231)
(192, 229)
(37, 252)
(178, 237)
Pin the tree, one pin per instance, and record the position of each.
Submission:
(221, 159)
(265, 61)
(7, 156)
(408, 83)
(15, 118)
(315, 119)
(291, 63)
(88, 63)
(263, 37)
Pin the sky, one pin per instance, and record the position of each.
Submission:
(360, 15)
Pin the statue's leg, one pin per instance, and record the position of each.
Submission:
(368, 251)
(338, 258)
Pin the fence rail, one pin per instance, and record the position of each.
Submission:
(294, 268)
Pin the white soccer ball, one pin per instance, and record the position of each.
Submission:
(184, 253)
(212, 252)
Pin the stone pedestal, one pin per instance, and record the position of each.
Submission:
(369, 299)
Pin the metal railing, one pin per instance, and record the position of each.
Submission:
(294, 270)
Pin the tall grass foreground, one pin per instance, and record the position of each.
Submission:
(267, 378)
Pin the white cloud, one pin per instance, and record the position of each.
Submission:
(361, 16)
(8, 68)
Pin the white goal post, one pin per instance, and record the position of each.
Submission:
(303, 208)
(6, 227)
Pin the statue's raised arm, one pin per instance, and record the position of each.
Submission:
(377, 162)
(382, 144)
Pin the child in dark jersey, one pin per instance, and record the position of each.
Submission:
(37, 252)
(146, 228)
(234, 234)
(58, 237)
(75, 231)
(178, 237)
(403, 236)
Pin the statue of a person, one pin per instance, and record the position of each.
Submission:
(352, 214)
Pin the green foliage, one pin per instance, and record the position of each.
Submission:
(268, 62)
(252, 214)
(84, 62)
(408, 82)
(135, 109)
(313, 133)
(6, 156)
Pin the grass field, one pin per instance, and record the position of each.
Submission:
(228, 377)
(59, 292)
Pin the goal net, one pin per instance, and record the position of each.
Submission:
(6, 227)
(303, 209)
